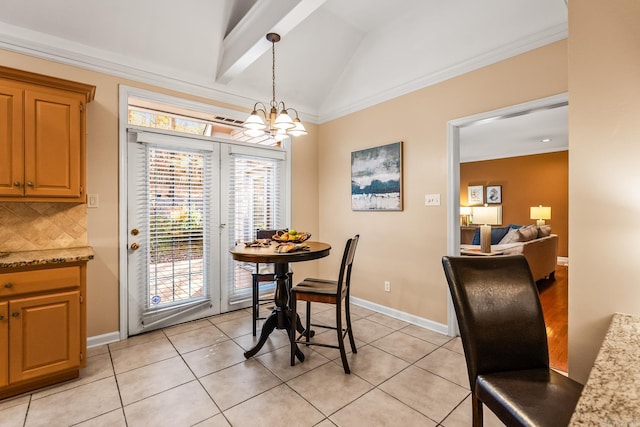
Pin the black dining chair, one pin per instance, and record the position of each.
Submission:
(328, 292)
(263, 273)
(505, 342)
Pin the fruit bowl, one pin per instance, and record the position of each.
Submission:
(285, 237)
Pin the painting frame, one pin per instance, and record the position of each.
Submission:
(493, 194)
(376, 178)
(475, 195)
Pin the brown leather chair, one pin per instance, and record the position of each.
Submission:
(329, 292)
(505, 343)
(263, 273)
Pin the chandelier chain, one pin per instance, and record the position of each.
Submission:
(273, 71)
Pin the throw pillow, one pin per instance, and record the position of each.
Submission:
(476, 237)
(544, 231)
(497, 233)
(527, 233)
(511, 236)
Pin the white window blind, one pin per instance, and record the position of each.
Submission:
(255, 201)
(176, 187)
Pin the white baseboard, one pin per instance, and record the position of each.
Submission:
(103, 339)
(563, 260)
(440, 328)
(401, 315)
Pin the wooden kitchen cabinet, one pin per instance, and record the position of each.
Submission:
(43, 141)
(43, 326)
(4, 343)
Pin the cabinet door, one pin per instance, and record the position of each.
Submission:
(44, 334)
(11, 146)
(52, 144)
(4, 344)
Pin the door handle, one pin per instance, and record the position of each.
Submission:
(135, 232)
(135, 246)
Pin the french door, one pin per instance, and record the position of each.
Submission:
(189, 200)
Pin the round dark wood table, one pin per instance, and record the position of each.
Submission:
(280, 318)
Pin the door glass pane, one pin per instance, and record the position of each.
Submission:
(255, 202)
(176, 227)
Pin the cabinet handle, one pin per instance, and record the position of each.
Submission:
(30, 184)
(1, 317)
(15, 314)
(16, 183)
(8, 285)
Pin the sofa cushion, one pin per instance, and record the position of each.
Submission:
(511, 236)
(497, 233)
(527, 233)
(544, 231)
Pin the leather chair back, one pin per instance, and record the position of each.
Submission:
(499, 314)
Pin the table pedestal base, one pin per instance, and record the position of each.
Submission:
(278, 319)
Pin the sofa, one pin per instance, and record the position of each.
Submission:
(537, 244)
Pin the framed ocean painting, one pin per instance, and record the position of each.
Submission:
(376, 178)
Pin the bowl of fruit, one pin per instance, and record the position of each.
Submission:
(291, 236)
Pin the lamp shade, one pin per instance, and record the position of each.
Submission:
(540, 212)
(486, 215)
(283, 121)
(254, 121)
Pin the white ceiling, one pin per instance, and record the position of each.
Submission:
(335, 57)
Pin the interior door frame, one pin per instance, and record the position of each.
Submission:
(453, 182)
(124, 93)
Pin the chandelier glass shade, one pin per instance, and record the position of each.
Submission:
(275, 118)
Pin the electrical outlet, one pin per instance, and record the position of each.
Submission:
(387, 286)
(432, 199)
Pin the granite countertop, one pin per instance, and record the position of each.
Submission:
(611, 394)
(44, 257)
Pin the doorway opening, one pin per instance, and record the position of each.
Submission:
(474, 142)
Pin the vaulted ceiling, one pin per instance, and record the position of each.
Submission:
(335, 57)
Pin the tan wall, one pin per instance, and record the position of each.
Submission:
(526, 181)
(604, 148)
(406, 247)
(102, 178)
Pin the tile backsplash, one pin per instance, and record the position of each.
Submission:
(33, 226)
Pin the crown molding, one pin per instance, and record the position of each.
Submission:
(46, 47)
(94, 61)
(517, 47)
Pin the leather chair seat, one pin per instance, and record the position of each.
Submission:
(535, 397)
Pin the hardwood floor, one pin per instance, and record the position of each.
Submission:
(554, 298)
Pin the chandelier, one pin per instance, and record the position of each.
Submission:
(278, 121)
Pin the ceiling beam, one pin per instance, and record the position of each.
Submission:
(247, 42)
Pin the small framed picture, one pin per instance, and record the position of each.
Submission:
(476, 195)
(494, 193)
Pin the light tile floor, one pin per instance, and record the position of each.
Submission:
(195, 374)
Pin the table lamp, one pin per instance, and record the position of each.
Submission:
(465, 211)
(487, 216)
(540, 213)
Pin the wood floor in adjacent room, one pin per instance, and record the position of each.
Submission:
(554, 298)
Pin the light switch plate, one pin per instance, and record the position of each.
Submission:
(432, 199)
(93, 200)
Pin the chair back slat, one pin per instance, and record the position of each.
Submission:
(499, 313)
(344, 277)
(267, 234)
